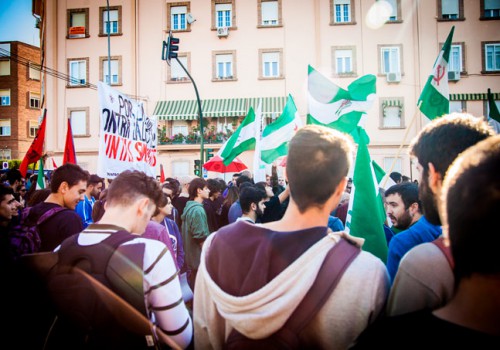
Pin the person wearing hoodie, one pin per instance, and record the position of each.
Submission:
(194, 227)
(252, 277)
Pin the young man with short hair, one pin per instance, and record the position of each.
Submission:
(252, 277)
(252, 204)
(84, 208)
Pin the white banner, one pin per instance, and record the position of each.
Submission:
(128, 137)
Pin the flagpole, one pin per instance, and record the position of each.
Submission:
(400, 147)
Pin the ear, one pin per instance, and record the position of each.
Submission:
(63, 187)
(143, 206)
(413, 209)
(434, 179)
(253, 206)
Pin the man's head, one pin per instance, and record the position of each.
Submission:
(243, 178)
(171, 187)
(94, 185)
(214, 188)
(7, 204)
(396, 176)
(135, 189)
(252, 201)
(69, 183)
(436, 147)
(402, 204)
(264, 186)
(247, 173)
(184, 182)
(198, 189)
(317, 163)
(470, 205)
(14, 177)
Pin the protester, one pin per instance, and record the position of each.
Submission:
(7, 206)
(470, 201)
(180, 201)
(235, 209)
(252, 203)
(210, 204)
(425, 278)
(84, 208)
(273, 210)
(252, 277)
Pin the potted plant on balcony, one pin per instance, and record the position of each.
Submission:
(192, 137)
(178, 138)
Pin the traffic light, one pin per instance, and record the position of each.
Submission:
(210, 154)
(170, 48)
(197, 167)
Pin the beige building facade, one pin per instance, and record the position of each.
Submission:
(241, 52)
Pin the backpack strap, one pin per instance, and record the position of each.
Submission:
(439, 242)
(336, 262)
(48, 214)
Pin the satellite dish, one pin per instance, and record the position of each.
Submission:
(189, 18)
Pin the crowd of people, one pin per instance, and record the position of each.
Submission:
(240, 256)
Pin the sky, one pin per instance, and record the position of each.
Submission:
(17, 23)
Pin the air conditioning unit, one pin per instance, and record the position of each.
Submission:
(393, 77)
(453, 76)
(222, 31)
(189, 18)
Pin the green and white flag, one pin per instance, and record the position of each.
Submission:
(340, 109)
(434, 101)
(383, 179)
(494, 114)
(40, 182)
(277, 135)
(365, 216)
(242, 140)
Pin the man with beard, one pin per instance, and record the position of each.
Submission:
(403, 208)
(252, 204)
(425, 277)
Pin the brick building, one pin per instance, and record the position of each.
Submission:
(20, 97)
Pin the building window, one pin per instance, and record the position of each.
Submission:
(178, 17)
(396, 11)
(116, 69)
(79, 121)
(343, 61)
(224, 66)
(458, 106)
(114, 26)
(32, 128)
(271, 63)
(456, 63)
(4, 127)
(4, 97)
(34, 100)
(392, 113)
(34, 71)
(342, 11)
(223, 15)
(491, 57)
(176, 73)
(388, 161)
(78, 72)
(269, 13)
(5, 67)
(6, 153)
(490, 9)
(180, 127)
(450, 10)
(390, 59)
(78, 23)
(5, 49)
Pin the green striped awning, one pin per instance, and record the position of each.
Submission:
(224, 107)
(473, 97)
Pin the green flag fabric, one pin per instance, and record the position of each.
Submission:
(242, 140)
(434, 101)
(334, 107)
(40, 182)
(361, 221)
(277, 135)
(494, 114)
(383, 179)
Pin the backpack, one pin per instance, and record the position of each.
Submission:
(24, 237)
(336, 262)
(98, 295)
(439, 242)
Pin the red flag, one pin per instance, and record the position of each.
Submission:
(162, 174)
(36, 149)
(54, 165)
(69, 147)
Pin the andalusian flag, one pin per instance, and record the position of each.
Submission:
(40, 182)
(277, 135)
(434, 101)
(361, 220)
(334, 107)
(494, 114)
(383, 179)
(242, 140)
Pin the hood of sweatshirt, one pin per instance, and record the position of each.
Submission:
(190, 205)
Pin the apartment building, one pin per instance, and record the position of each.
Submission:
(242, 52)
(20, 97)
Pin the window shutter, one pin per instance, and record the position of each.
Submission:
(78, 122)
(491, 4)
(450, 7)
(269, 11)
(178, 10)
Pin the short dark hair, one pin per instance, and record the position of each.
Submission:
(194, 185)
(94, 180)
(243, 178)
(318, 159)
(396, 176)
(470, 205)
(130, 185)
(70, 173)
(408, 192)
(14, 175)
(5, 190)
(214, 186)
(249, 195)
